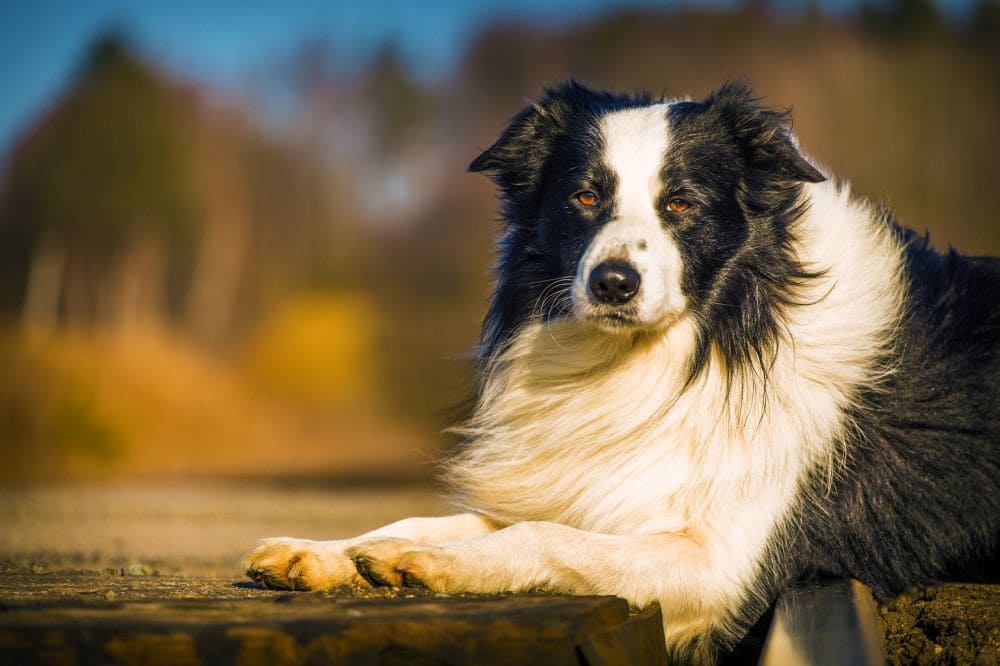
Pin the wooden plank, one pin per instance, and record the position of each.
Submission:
(831, 623)
(638, 640)
(312, 628)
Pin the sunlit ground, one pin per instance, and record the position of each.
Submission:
(186, 528)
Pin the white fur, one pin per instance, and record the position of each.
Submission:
(592, 430)
(636, 141)
(606, 473)
(303, 564)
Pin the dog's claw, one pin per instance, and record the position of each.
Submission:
(409, 579)
(364, 567)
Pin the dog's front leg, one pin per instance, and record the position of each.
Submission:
(695, 592)
(303, 564)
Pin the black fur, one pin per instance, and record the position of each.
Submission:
(918, 500)
(548, 147)
(736, 160)
(733, 158)
(917, 496)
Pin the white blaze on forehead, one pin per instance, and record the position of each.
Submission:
(635, 143)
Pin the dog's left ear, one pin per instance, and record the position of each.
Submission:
(763, 133)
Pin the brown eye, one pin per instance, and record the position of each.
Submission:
(587, 198)
(678, 205)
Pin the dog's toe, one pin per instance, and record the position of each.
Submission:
(298, 564)
(397, 562)
(377, 573)
(376, 561)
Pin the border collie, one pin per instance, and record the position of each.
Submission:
(707, 371)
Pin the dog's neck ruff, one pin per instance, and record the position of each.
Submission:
(665, 455)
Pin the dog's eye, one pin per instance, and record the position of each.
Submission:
(586, 198)
(677, 205)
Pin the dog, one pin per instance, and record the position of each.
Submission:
(707, 371)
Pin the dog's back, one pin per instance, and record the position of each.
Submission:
(916, 497)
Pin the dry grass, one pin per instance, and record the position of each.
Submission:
(80, 404)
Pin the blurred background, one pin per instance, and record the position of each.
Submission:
(238, 239)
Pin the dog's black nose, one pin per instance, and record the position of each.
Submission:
(614, 283)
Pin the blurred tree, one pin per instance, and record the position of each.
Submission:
(400, 107)
(984, 23)
(903, 18)
(99, 208)
(274, 237)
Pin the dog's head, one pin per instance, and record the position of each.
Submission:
(642, 212)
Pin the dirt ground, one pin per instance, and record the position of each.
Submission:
(944, 624)
(93, 545)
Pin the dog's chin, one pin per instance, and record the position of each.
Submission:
(626, 321)
(615, 322)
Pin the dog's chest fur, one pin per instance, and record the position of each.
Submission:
(600, 432)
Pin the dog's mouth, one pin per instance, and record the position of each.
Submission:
(629, 320)
(617, 320)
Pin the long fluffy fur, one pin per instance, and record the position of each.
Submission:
(722, 453)
(796, 386)
(748, 417)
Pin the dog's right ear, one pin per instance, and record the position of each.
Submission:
(520, 135)
(518, 157)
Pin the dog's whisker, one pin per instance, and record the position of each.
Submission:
(554, 291)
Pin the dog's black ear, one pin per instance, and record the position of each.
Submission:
(764, 135)
(520, 137)
(530, 131)
(518, 157)
(516, 160)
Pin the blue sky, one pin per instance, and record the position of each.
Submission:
(224, 42)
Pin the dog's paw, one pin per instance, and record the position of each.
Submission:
(402, 563)
(299, 564)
